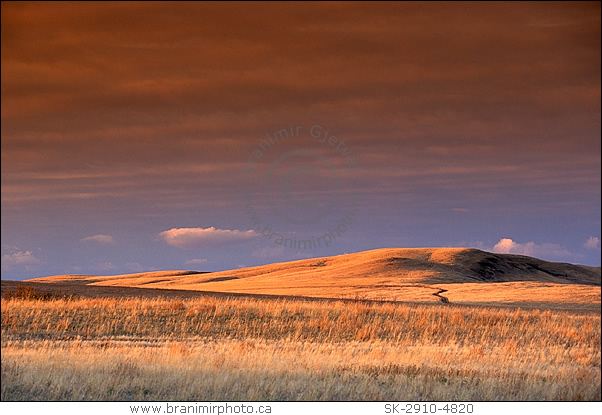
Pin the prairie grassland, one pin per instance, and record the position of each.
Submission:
(263, 349)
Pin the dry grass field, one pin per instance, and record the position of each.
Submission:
(272, 349)
(517, 329)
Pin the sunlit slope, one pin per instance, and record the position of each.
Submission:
(125, 280)
(410, 274)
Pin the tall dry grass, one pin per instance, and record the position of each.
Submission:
(259, 349)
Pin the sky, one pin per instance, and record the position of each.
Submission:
(212, 136)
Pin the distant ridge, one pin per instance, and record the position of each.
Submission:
(400, 274)
(410, 265)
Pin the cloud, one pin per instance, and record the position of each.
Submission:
(457, 119)
(189, 238)
(592, 243)
(547, 251)
(196, 261)
(504, 246)
(19, 259)
(101, 239)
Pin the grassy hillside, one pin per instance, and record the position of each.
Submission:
(458, 275)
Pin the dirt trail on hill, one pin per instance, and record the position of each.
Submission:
(442, 298)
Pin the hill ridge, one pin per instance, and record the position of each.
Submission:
(464, 275)
(408, 265)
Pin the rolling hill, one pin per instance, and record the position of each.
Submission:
(456, 275)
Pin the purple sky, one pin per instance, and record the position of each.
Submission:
(148, 136)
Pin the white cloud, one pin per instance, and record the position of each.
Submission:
(504, 246)
(19, 259)
(189, 238)
(196, 261)
(101, 239)
(549, 251)
(592, 243)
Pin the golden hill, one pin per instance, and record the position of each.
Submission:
(459, 275)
